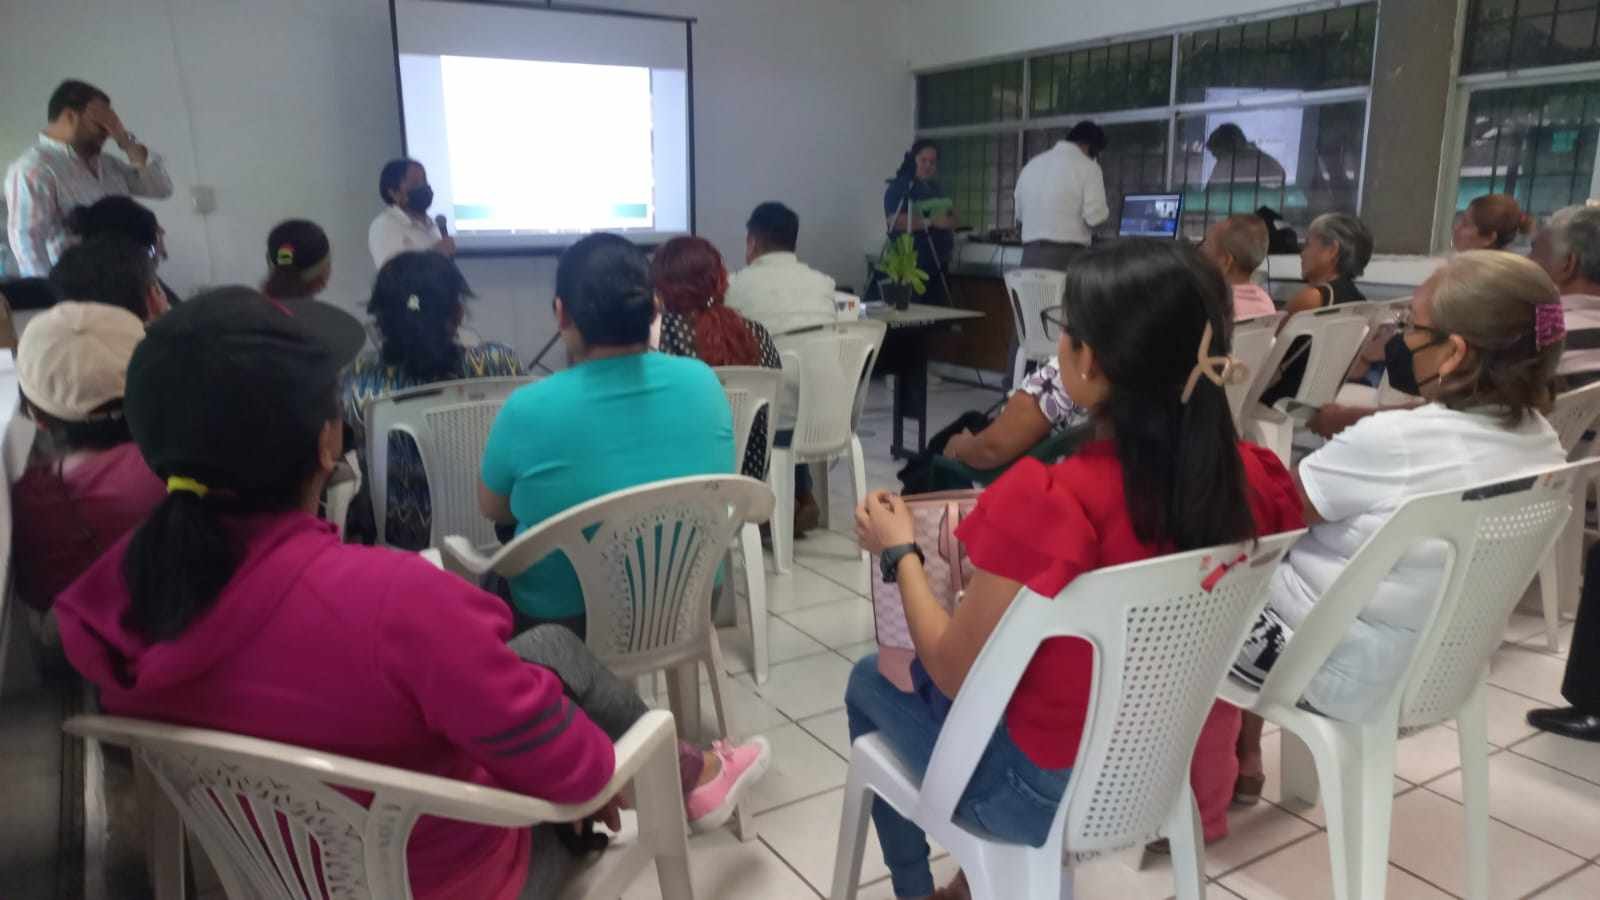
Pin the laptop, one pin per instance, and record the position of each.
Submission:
(1150, 215)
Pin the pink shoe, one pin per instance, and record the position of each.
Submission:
(711, 804)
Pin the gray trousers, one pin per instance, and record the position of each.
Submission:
(1050, 255)
(612, 705)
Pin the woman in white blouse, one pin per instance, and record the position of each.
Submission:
(1484, 336)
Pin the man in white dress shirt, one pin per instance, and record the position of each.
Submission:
(404, 224)
(65, 169)
(784, 294)
(1061, 197)
(776, 288)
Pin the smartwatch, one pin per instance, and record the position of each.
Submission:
(889, 560)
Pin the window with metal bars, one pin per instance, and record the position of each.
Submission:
(1300, 160)
(1309, 52)
(1536, 143)
(1119, 76)
(1522, 34)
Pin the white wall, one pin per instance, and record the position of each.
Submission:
(287, 108)
(943, 32)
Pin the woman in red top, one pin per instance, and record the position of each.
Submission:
(1166, 473)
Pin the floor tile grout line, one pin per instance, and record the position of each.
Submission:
(1557, 880)
(790, 866)
(1423, 878)
(1493, 818)
(1258, 858)
(1512, 750)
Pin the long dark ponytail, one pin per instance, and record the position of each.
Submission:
(1143, 304)
(182, 556)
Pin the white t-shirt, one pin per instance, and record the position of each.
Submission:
(394, 232)
(1356, 482)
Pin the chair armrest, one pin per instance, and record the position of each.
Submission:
(653, 732)
(463, 559)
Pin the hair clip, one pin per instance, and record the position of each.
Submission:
(286, 255)
(1549, 325)
(414, 303)
(1219, 370)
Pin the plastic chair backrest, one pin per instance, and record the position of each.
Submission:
(1574, 414)
(645, 559)
(1495, 536)
(1164, 631)
(449, 422)
(273, 826)
(1032, 292)
(1335, 332)
(1252, 343)
(832, 365)
(750, 389)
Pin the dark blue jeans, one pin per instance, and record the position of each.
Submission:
(802, 473)
(1009, 798)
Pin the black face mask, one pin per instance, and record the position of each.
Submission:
(1400, 362)
(418, 199)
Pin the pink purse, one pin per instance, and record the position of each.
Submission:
(949, 570)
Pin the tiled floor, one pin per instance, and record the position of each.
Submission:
(1545, 790)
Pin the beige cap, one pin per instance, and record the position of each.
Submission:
(73, 357)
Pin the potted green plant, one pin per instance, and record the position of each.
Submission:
(902, 278)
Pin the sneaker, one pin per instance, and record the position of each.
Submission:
(711, 804)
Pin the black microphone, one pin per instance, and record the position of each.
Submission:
(444, 228)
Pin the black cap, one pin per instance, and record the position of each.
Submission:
(231, 388)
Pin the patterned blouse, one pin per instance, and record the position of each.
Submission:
(1044, 385)
(677, 338)
(409, 514)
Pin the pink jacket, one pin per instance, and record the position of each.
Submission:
(359, 651)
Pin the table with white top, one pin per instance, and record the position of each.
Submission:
(916, 322)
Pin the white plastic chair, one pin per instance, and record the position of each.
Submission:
(450, 424)
(1252, 343)
(751, 389)
(1496, 535)
(1561, 573)
(1032, 292)
(1163, 644)
(1335, 334)
(832, 366)
(221, 783)
(646, 560)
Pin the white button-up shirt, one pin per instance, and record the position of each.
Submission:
(1061, 196)
(49, 180)
(394, 232)
(783, 293)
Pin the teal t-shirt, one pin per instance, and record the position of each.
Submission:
(595, 428)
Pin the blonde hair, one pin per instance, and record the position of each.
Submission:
(1489, 298)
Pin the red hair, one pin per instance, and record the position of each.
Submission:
(688, 274)
(1499, 215)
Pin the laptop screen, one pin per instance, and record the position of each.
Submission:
(1150, 215)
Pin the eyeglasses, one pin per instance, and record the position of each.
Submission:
(1405, 323)
(1054, 321)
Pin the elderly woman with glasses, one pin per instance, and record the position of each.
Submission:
(1480, 349)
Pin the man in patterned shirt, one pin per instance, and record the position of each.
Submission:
(65, 169)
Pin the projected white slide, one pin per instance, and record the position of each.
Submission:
(537, 127)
